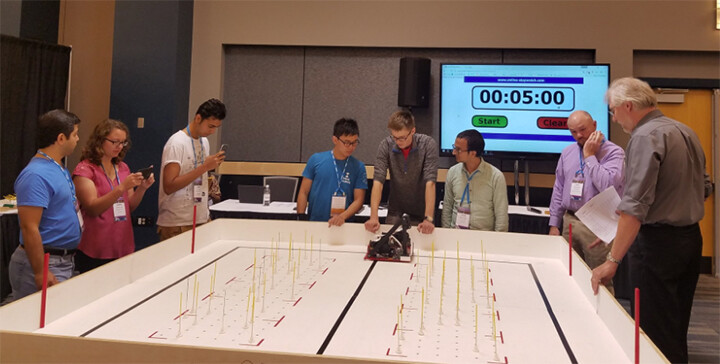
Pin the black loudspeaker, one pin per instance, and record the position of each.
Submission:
(414, 85)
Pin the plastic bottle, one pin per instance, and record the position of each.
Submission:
(266, 195)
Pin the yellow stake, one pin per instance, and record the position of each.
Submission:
(493, 315)
(247, 309)
(427, 276)
(252, 317)
(212, 289)
(422, 308)
(432, 253)
(254, 263)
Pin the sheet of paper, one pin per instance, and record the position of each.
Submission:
(599, 215)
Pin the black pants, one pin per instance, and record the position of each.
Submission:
(665, 265)
(84, 263)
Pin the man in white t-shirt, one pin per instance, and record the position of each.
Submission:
(186, 161)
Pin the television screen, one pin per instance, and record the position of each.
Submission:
(521, 110)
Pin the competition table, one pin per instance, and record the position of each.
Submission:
(521, 219)
(466, 296)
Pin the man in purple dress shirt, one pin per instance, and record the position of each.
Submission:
(585, 169)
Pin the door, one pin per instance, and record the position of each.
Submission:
(696, 111)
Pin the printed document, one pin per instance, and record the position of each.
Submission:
(599, 215)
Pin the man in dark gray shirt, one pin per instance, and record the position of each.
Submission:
(665, 189)
(412, 160)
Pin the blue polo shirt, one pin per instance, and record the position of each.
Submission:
(325, 171)
(43, 183)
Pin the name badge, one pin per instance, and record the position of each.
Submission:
(337, 205)
(462, 219)
(198, 192)
(80, 219)
(576, 189)
(119, 210)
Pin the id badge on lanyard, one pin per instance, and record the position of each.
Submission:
(337, 206)
(119, 211)
(198, 192)
(80, 218)
(576, 188)
(462, 220)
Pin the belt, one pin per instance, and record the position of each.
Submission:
(55, 251)
(667, 226)
(60, 252)
(571, 212)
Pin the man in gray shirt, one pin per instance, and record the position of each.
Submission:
(665, 189)
(412, 160)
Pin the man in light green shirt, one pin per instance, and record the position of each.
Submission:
(475, 191)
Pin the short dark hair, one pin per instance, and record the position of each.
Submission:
(52, 123)
(346, 126)
(212, 108)
(475, 141)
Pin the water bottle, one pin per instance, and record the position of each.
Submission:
(266, 195)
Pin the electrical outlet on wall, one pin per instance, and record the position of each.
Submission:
(143, 221)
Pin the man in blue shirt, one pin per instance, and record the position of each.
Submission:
(47, 208)
(330, 178)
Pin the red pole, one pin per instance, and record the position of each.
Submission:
(637, 325)
(43, 300)
(192, 249)
(570, 251)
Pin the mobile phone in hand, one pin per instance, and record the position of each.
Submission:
(146, 172)
(224, 148)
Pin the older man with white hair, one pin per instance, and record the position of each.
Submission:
(665, 189)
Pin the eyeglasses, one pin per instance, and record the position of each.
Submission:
(457, 150)
(115, 143)
(349, 144)
(401, 139)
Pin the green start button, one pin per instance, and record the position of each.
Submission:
(489, 121)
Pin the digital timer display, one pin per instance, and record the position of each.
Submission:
(523, 98)
(520, 109)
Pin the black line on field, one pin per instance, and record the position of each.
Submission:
(559, 330)
(345, 310)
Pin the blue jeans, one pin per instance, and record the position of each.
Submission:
(22, 278)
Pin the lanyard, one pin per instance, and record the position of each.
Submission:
(582, 163)
(202, 150)
(339, 177)
(466, 192)
(117, 176)
(65, 173)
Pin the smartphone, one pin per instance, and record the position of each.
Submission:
(146, 172)
(224, 148)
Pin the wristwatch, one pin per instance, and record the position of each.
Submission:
(428, 218)
(610, 258)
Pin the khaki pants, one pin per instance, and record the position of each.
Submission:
(581, 239)
(167, 232)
